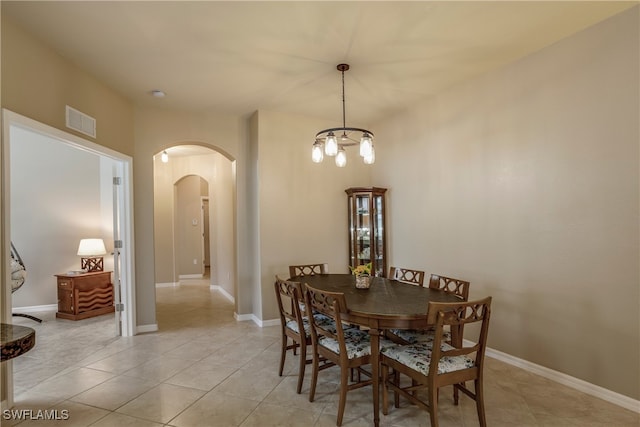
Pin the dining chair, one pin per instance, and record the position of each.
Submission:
(435, 364)
(294, 324)
(308, 270)
(405, 275)
(457, 287)
(346, 347)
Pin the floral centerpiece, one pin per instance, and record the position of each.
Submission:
(363, 275)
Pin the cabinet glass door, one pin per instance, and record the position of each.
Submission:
(378, 243)
(363, 229)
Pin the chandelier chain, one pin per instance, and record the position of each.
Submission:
(344, 115)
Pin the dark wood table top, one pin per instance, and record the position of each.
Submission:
(392, 303)
(16, 340)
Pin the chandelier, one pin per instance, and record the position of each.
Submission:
(328, 143)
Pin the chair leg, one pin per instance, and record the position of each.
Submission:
(480, 403)
(303, 363)
(344, 384)
(396, 395)
(385, 389)
(456, 394)
(314, 377)
(283, 354)
(433, 406)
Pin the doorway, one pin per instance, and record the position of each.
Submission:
(115, 204)
(181, 234)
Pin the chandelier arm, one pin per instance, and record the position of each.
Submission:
(344, 129)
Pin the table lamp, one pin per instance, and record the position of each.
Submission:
(90, 251)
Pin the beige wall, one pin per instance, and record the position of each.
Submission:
(38, 83)
(163, 223)
(302, 205)
(525, 182)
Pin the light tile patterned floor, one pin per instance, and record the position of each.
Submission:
(205, 369)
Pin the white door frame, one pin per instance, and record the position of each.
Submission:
(9, 118)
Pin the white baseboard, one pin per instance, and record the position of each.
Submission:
(575, 383)
(167, 285)
(141, 329)
(254, 318)
(272, 322)
(243, 317)
(35, 308)
(223, 291)
(190, 276)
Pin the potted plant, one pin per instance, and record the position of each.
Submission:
(363, 275)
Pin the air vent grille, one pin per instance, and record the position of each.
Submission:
(80, 122)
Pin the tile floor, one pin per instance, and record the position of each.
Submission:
(202, 368)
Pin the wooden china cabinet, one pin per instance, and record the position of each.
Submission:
(367, 241)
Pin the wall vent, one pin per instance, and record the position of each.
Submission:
(81, 122)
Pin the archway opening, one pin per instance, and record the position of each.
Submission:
(194, 217)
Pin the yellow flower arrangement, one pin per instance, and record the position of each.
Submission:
(361, 270)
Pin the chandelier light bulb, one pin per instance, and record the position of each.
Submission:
(341, 158)
(316, 153)
(164, 157)
(371, 158)
(365, 145)
(331, 145)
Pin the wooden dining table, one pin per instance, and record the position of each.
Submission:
(386, 304)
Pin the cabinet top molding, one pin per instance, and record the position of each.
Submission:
(353, 190)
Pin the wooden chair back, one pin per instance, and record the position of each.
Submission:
(405, 275)
(288, 293)
(308, 270)
(331, 304)
(458, 287)
(457, 315)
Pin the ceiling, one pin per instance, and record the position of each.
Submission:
(238, 57)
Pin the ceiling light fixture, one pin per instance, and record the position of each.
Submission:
(158, 93)
(164, 157)
(327, 143)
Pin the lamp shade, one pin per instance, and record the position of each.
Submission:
(91, 247)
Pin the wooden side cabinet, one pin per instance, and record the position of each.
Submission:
(81, 296)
